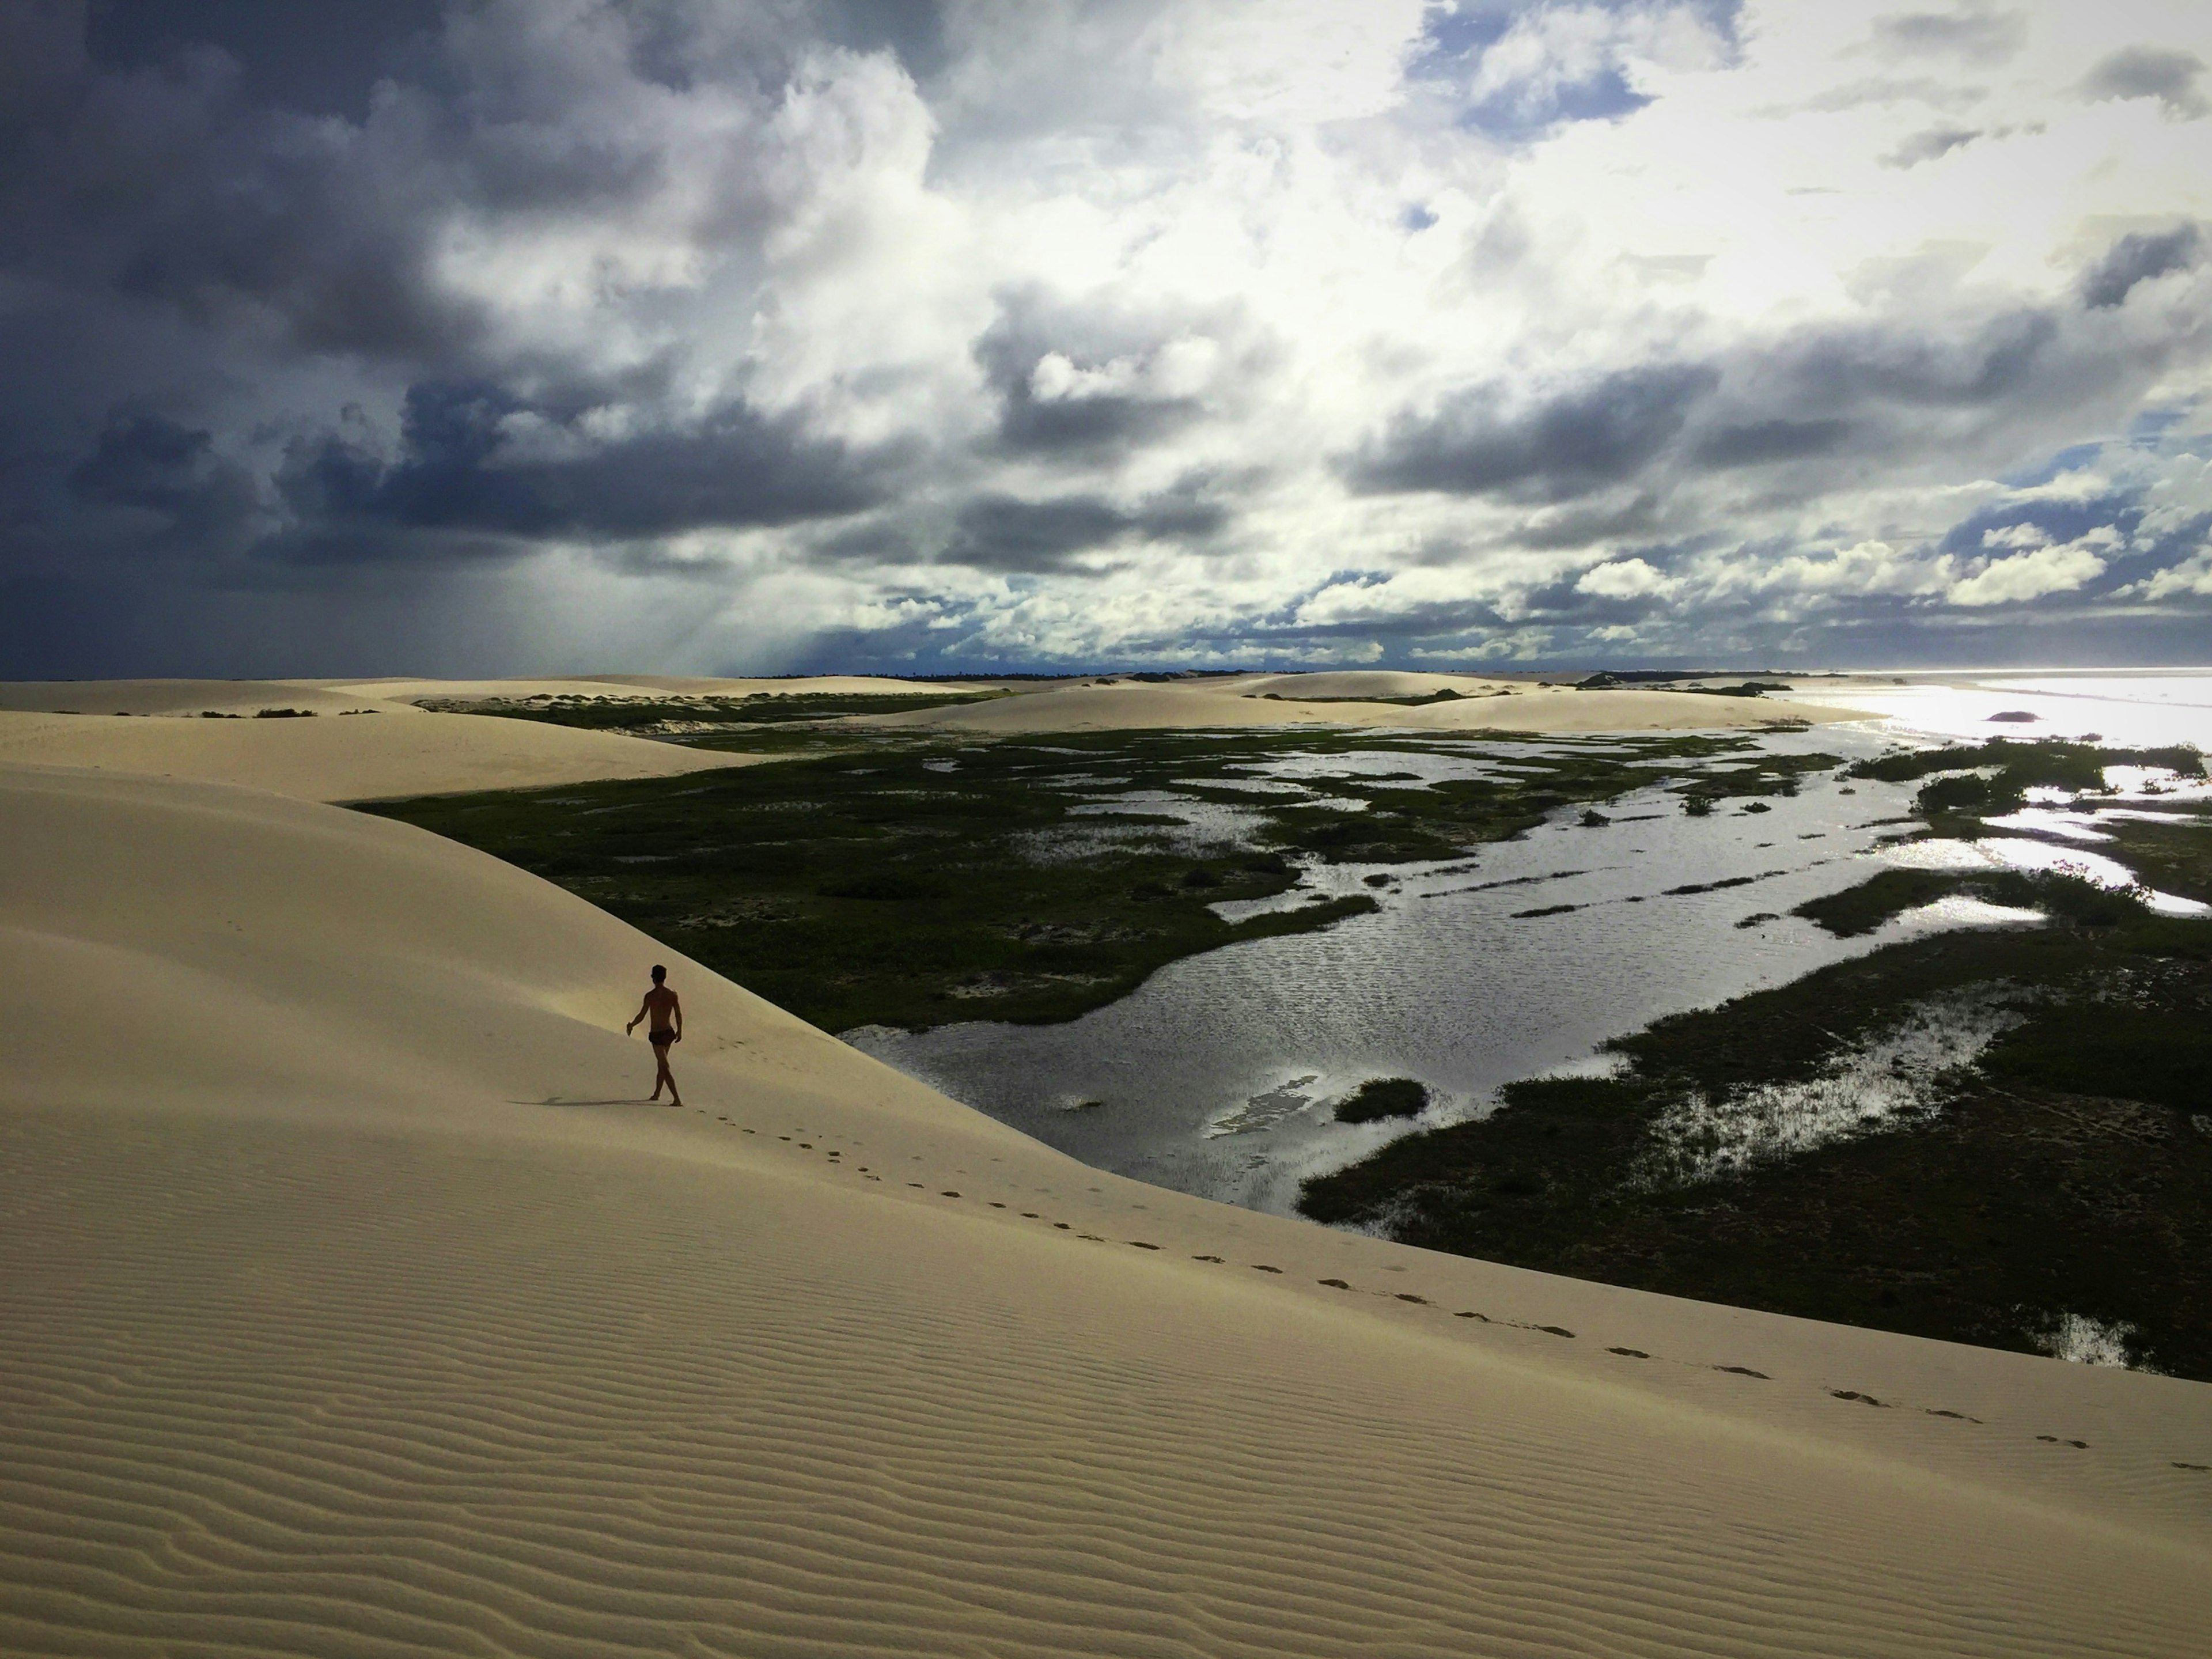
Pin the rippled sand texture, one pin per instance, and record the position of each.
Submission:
(354, 1305)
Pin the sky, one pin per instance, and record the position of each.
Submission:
(686, 335)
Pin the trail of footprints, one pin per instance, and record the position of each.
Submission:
(836, 1160)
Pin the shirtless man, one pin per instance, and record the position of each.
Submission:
(667, 1027)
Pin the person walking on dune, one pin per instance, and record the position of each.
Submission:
(665, 1011)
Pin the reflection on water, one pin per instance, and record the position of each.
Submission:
(2129, 711)
(2019, 853)
(1217, 1075)
(2088, 1341)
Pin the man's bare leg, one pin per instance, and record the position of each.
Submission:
(664, 1075)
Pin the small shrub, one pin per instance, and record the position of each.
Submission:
(1383, 1096)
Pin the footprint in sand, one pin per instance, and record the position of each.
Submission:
(1485, 1318)
(2201, 1468)
(1206, 1258)
(1853, 1393)
(2054, 1440)
(1630, 1353)
(1140, 1245)
(948, 1195)
(1335, 1284)
(1407, 1296)
(1937, 1411)
(1744, 1370)
(1262, 1267)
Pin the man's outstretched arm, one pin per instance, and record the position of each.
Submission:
(636, 1016)
(676, 1010)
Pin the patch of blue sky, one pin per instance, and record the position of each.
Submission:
(2058, 520)
(1456, 35)
(2070, 460)
(1289, 612)
(2149, 428)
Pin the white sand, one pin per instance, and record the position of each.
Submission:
(1313, 700)
(367, 739)
(354, 1305)
(397, 751)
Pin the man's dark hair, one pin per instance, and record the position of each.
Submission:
(659, 973)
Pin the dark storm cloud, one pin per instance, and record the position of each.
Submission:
(317, 58)
(1574, 442)
(1004, 532)
(1755, 443)
(2164, 73)
(175, 492)
(161, 184)
(2000, 357)
(458, 469)
(457, 488)
(2138, 258)
(348, 299)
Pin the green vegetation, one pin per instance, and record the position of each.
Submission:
(2017, 767)
(1381, 1098)
(1880, 898)
(918, 881)
(2173, 855)
(2069, 1171)
(2066, 1169)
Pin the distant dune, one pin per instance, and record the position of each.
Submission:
(355, 1303)
(1339, 698)
(359, 743)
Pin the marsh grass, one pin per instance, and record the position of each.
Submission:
(1843, 1148)
(1383, 1096)
(910, 881)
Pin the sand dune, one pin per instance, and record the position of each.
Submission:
(398, 751)
(636, 685)
(384, 746)
(355, 1305)
(1311, 699)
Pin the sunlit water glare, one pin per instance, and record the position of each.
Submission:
(1217, 1075)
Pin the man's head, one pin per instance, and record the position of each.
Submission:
(659, 973)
